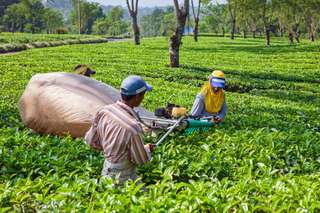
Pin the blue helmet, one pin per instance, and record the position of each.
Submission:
(134, 85)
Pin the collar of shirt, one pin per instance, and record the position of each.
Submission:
(128, 109)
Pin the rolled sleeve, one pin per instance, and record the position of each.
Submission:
(223, 111)
(198, 106)
(138, 152)
(92, 137)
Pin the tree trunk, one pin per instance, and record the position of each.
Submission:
(133, 11)
(232, 12)
(33, 27)
(12, 28)
(175, 40)
(266, 24)
(136, 30)
(233, 30)
(268, 37)
(281, 32)
(291, 37)
(297, 33)
(297, 37)
(310, 29)
(254, 30)
(281, 28)
(311, 34)
(312, 37)
(174, 51)
(267, 29)
(244, 34)
(196, 30)
(21, 26)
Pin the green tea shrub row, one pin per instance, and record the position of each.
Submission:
(24, 38)
(6, 48)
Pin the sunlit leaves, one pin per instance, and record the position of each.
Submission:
(264, 157)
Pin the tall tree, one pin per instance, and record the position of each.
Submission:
(175, 40)
(243, 16)
(159, 23)
(233, 6)
(215, 18)
(133, 11)
(266, 8)
(4, 4)
(295, 15)
(35, 14)
(196, 15)
(76, 14)
(79, 15)
(168, 24)
(281, 14)
(113, 24)
(312, 17)
(89, 13)
(15, 17)
(151, 23)
(53, 20)
(290, 14)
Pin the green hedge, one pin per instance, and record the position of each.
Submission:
(15, 47)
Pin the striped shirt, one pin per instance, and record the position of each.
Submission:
(116, 131)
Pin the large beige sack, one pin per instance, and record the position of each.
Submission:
(65, 103)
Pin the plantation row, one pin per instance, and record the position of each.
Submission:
(7, 48)
(23, 41)
(264, 157)
(24, 38)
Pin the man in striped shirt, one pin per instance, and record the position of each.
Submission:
(117, 132)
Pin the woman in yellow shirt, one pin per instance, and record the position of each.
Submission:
(211, 99)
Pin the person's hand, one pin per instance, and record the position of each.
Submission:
(146, 129)
(152, 147)
(216, 119)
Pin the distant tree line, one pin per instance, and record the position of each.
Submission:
(34, 17)
(112, 23)
(291, 18)
(264, 18)
(161, 22)
(29, 16)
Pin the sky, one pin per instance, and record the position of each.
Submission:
(144, 3)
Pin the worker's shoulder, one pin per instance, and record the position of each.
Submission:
(135, 129)
(200, 96)
(122, 119)
(131, 126)
(104, 110)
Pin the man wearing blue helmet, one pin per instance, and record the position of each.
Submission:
(117, 132)
(211, 99)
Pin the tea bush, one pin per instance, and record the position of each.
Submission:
(264, 158)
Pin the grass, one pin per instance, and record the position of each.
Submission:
(265, 157)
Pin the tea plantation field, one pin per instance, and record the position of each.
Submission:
(264, 158)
